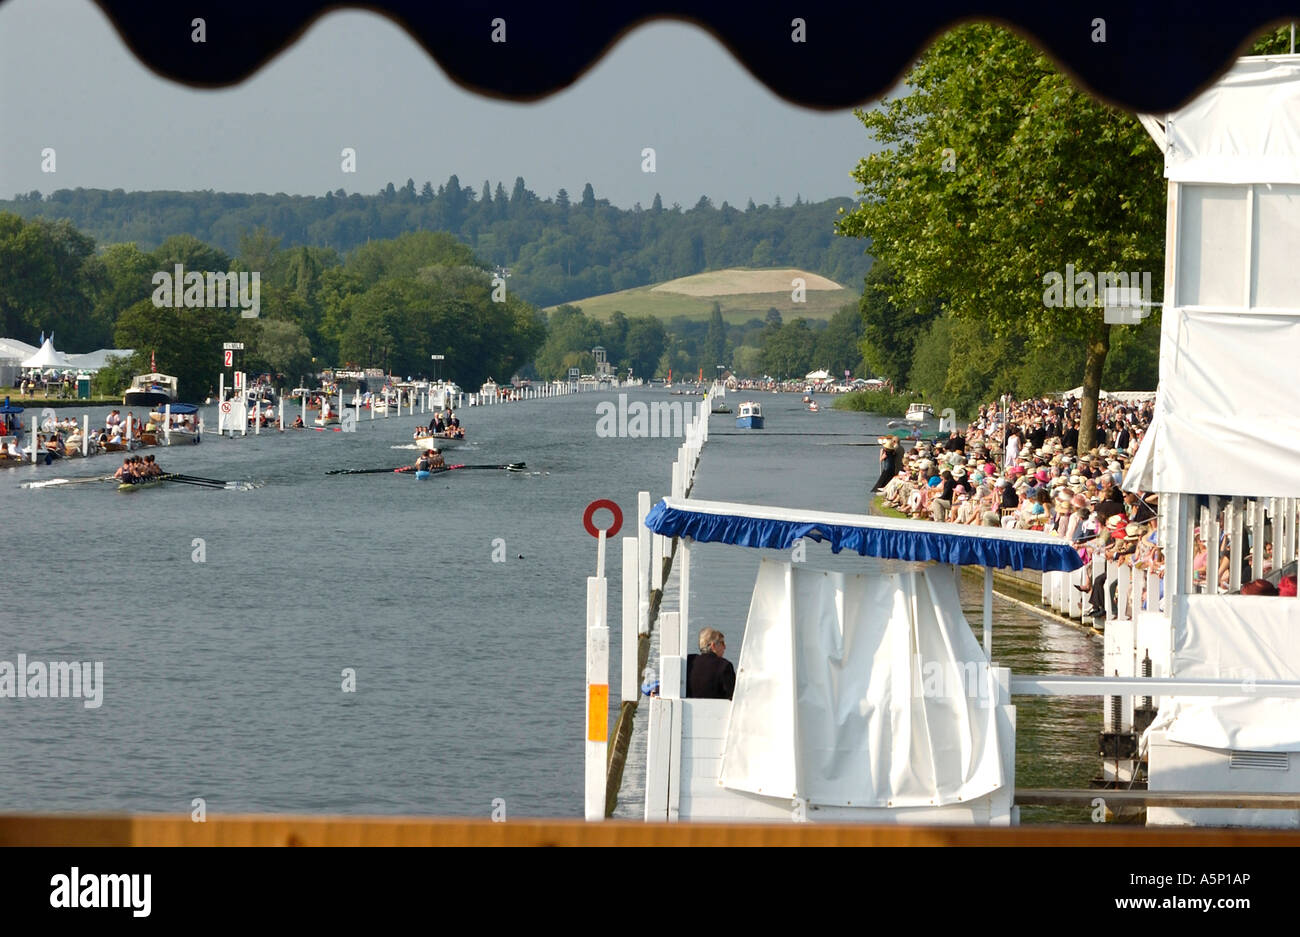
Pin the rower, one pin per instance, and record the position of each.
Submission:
(435, 460)
(297, 422)
(124, 473)
(422, 463)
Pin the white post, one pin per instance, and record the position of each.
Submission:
(356, 409)
(684, 587)
(600, 555)
(85, 434)
(643, 561)
(33, 442)
(167, 424)
(631, 616)
(129, 432)
(341, 407)
(243, 408)
(597, 727)
(303, 400)
(672, 658)
(221, 398)
(988, 613)
(658, 544)
(282, 414)
(257, 417)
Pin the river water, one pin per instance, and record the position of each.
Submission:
(456, 604)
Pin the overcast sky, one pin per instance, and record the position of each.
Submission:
(355, 79)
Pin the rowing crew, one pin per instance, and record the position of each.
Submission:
(429, 460)
(138, 469)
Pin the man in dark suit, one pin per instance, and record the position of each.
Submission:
(709, 675)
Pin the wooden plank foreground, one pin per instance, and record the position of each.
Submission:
(286, 830)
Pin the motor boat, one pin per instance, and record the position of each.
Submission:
(149, 390)
(750, 416)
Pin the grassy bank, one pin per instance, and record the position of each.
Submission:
(883, 402)
(38, 402)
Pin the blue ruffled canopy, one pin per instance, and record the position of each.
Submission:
(752, 525)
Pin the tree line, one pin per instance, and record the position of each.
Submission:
(994, 174)
(389, 304)
(556, 249)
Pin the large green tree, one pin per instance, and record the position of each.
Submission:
(996, 172)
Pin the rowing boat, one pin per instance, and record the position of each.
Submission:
(134, 486)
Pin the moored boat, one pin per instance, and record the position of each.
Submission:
(148, 390)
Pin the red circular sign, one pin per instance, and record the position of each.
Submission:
(608, 505)
(225, 406)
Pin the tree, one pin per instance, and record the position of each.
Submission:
(562, 200)
(995, 172)
(715, 343)
(284, 348)
(657, 205)
(646, 340)
(890, 331)
(588, 197)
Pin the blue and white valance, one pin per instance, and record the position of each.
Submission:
(753, 525)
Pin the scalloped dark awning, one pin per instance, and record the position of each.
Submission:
(1155, 57)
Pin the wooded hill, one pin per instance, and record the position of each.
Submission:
(556, 250)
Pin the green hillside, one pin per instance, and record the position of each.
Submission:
(743, 295)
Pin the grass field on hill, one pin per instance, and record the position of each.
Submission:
(743, 294)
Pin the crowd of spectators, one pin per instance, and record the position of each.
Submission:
(1017, 466)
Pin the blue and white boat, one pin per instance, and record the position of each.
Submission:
(750, 416)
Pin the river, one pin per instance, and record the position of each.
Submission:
(453, 606)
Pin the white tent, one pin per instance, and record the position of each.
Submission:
(94, 360)
(47, 357)
(1226, 421)
(818, 376)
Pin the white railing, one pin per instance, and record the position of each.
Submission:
(643, 573)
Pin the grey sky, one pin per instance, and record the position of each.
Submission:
(355, 79)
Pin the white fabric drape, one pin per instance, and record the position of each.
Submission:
(1236, 637)
(861, 690)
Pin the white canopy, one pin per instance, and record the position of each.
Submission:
(861, 690)
(94, 360)
(47, 357)
(817, 376)
(12, 350)
(1225, 420)
(1244, 129)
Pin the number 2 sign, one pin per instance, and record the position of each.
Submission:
(229, 358)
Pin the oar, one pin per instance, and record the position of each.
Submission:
(186, 480)
(66, 481)
(512, 467)
(365, 471)
(197, 478)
